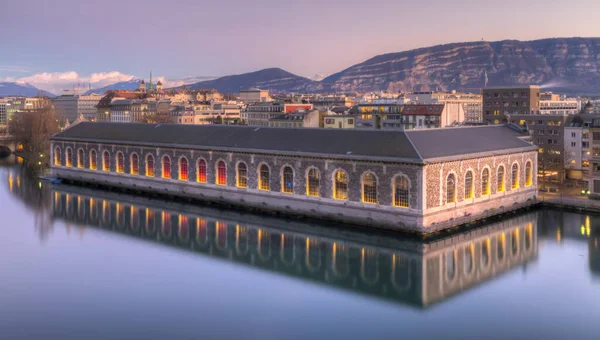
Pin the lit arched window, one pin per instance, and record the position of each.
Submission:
(69, 157)
(451, 189)
(340, 188)
(242, 175)
(500, 247)
(485, 182)
(401, 192)
(166, 167)
(264, 178)
(93, 160)
(134, 164)
(120, 162)
(369, 183)
(515, 176)
(57, 156)
(221, 173)
(450, 265)
(201, 171)
(150, 166)
(485, 253)
(80, 156)
(469, 185)
(183, 169)
(313, 182)
(500, 179)
(468, 260)
(106, 161)
(528, 174)
(287, 184)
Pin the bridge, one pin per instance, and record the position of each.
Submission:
(8, 143)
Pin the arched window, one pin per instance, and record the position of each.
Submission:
(450, 265)
(80, 161)
(134, 164)
(313, 182)
(515, 176)
(69, 157)
(242, 175)
(528, 174)
(57, 156)
(287, 184)
(264, 178)
(183, 169)
(401, 192)
(369, 184)
(120, 162)
(485, 182)
(500, 179)
(468, 258)
(221, 173)
(93, 160)
(451, 189)
(166, 167)
(106, 161)
(469, 185)
(201, 171)
(150, 166)
(340, 188)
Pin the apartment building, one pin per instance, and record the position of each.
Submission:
(577, 145)
(71, 106)
(499, 103)
(400, 117)
(251, 96)
(462, 107)
(258, 114)
(339, 121)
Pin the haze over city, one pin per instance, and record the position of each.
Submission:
(186, 41)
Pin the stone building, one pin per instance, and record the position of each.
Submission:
(420, 180)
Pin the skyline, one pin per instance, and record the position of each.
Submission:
(65, 41)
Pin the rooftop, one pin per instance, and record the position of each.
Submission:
(415, 146)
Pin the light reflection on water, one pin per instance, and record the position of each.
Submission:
(121, 256)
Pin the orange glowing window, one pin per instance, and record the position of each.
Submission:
(183, 169)
(201, 171)
(150, 166)
(69, 158)
(105, 161)
(134, 166)
(80, 158)
(221, 173)
(93, 160)
(120, 162)
(166, 167)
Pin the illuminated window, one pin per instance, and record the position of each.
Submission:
(501, 247)
(515, 176)
(221, 173)
(500, 178)
(288, 180)
(201, 171)
(242, 175)
(69, 157)
(485, 253)
(450, 265)
(469, 185)
(93, 160)
(313, 182)
(166, 167)
(264, 178)
(80, 156)
(183, 169)
(468, 260)
(106, 161)
(528, 174)
(401, 191)
(150, 166)
(120, 162)
(134, 164)
(369, 183)
(485, 182)
(57, 156)
(451, 189)
(340, 189)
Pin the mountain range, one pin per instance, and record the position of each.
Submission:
(565, 65)
(8, 89)
(132, 84)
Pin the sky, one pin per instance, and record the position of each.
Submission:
(55, 44)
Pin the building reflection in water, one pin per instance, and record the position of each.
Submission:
(397, 269)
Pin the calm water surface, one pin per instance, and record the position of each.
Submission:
(79, 263)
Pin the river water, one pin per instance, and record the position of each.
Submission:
(82, 263)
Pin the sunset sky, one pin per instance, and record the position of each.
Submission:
(54, 43)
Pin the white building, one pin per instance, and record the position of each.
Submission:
(464, 107)
(577, 139)
(70, 106)
(254, 96)
(557, 106)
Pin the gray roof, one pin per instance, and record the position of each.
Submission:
(410, 146)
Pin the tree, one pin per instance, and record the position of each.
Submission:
(219, 120)
(33, 128)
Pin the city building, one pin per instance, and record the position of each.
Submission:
(577, 145)
(499, 103)
(258, 114)
(419, 180)
(460, 107)
(252, 96)
(69, 106)
(594, 172)
(400, 116)
(339, 121)
(3, 112)
(298, 119)
(328, 102)
(551, 103)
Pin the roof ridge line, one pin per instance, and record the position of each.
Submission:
(413, 145)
